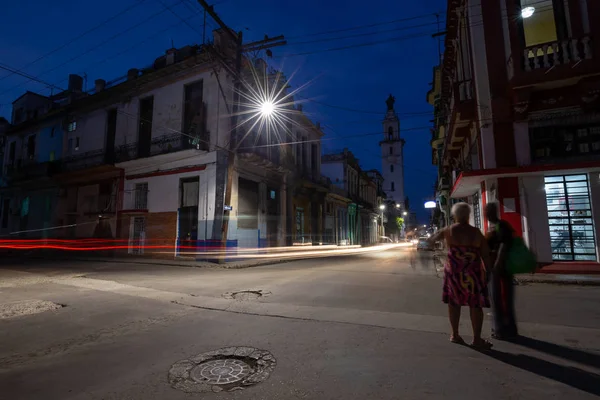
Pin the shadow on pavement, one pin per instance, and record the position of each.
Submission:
(567, 353)
(571, 376)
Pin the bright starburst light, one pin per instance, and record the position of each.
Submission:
(267, 107)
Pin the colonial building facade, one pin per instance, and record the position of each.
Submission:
(358, 220)
(518, 120)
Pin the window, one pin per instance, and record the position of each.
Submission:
(72, 126)
(140, 200)
(18, 115)
(391, 150)
(476, 211)
(5, 211)
(555, 142)
(77, 143)
(31, 147)
(393, 187)
(52, 156)
(11, 153)
(391, 168)
(195, 117)
(570, 218)
(542, 21)
(52, 132)
(390, 133)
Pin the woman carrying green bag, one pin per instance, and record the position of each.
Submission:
(500, 239)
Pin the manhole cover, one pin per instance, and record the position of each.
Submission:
(221, 372)
(231, 368)
(245, 295)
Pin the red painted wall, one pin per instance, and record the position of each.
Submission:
(508, 188)
(483, 204)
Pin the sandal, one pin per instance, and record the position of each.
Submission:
(483, 345)
(457, 340)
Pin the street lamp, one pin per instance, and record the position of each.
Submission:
(397, 205)
(267, 108)
(382, 207)
(405, 213)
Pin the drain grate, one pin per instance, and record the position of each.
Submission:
(245, 295)
(227, 369)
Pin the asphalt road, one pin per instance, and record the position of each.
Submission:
(359, 327)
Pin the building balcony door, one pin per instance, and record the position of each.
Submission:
(137, 235)
(570, 218)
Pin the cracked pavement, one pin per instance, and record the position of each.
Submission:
(370, 326)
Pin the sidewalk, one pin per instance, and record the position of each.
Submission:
(547, 276)
(559, 279)
(177, 262)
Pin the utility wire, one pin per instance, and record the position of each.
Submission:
(383, 41)
(89, 50)
(356, 35)
(372, 25)
(25, 75)
(92, 29)
(135, 45)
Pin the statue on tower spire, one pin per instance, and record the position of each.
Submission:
(390, 102)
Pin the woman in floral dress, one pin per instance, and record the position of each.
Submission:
(465, 276)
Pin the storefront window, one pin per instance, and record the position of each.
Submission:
(476, 211)
(570, 218)
(555, 142)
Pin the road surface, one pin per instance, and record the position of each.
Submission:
(358, 327)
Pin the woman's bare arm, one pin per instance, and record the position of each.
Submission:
(485, 254)
(438, 235)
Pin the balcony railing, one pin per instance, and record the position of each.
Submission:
(83, 160)
(561, 52)
(29, 170)
(164, 144)
(136, 199)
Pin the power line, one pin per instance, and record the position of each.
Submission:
(96, 27)
(89, 50)
(375, 24)
(25, 75)
(402, 28)
(106, 59)
(388, 40)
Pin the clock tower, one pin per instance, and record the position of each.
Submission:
(392, 155)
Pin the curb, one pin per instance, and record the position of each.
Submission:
(565, 280)
(188, 263)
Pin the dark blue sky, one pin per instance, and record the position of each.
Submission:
(358, 78)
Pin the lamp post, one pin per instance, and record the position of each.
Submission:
(381, 208)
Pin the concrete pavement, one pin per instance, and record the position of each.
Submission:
(350, 327)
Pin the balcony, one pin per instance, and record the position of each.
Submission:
(164, 144)
(81, 161)
(98, 205)
(29, 170)
(136, 200)
(548, 55)
(263, 152)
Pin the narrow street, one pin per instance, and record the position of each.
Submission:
(339, 328)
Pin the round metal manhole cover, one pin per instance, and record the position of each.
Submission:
(229, 369)
(245, 295)
(221, 372)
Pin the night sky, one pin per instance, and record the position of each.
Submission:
(348, 87)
